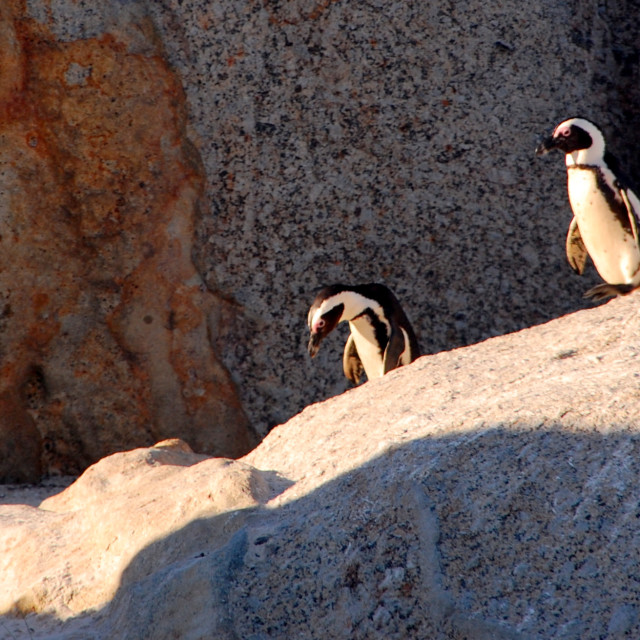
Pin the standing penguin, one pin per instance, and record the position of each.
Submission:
(381, 336)
(605, 209)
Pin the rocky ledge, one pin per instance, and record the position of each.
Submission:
(485, 492)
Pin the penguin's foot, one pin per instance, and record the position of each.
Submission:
(603, 291)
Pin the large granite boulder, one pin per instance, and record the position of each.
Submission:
(390, 142)
(487, 492)
(119, 506)
(302, 143)
(104, 320)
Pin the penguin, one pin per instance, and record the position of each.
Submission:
(381, 336)
(605, 209)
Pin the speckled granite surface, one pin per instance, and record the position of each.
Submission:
(390, 142)
(484, 493)
(104, 320)
(377, 141)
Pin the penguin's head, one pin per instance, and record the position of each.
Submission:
(578, 138)
(324, 315)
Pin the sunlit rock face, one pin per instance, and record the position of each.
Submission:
(466, 495)
(168, 486)
(104, 321)
(282, 146)
(389, 142)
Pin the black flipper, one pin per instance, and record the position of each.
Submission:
(633, 220)
(576, 251)
(394, 350)
(351, 363)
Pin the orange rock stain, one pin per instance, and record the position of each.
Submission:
(94, 139)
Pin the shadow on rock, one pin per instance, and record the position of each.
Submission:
(503, 532)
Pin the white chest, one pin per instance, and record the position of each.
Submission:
(370, 355)
(613, 250)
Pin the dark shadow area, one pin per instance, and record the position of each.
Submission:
(520, 531)
(34, 494)
(618, 80)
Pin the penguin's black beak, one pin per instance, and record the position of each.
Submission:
(548, 144)
(314, 343)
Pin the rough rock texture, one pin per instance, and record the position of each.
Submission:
(487, 492)
(104, 336)
(332, 141)
(392, 142)
(84, 538)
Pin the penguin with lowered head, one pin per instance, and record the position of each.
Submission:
(381, 338)
(605, 209)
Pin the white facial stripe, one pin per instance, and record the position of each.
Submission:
(595, 153)
(316, 317)
(589, 127)
(327, 305)
(354, 305)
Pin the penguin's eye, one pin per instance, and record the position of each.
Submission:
(320, 323)
(565, 132)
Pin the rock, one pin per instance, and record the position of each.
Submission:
(103, 317)
(120, 505)
(389, 142)
(302, 143)
(20, 443)
(487, 492)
